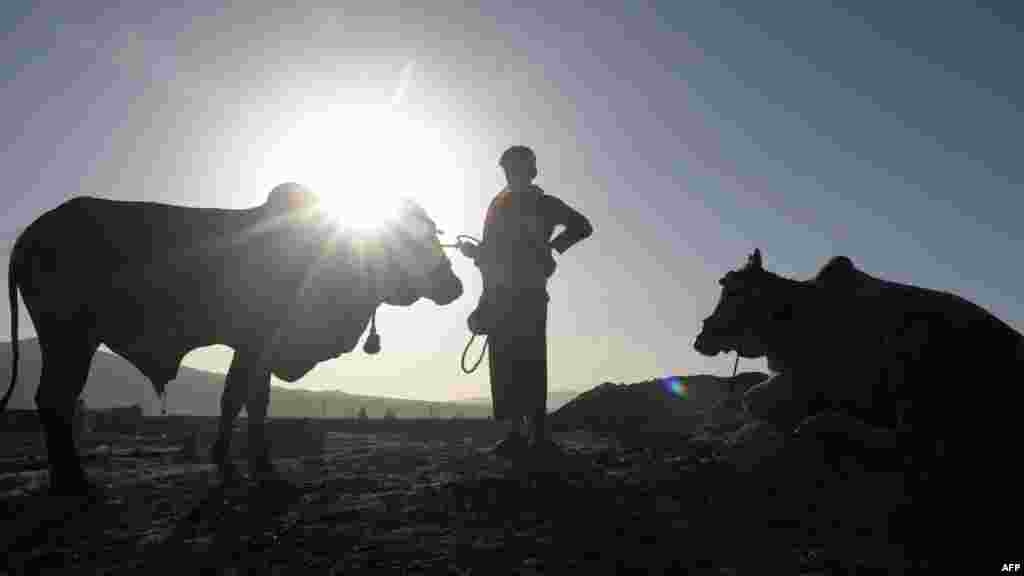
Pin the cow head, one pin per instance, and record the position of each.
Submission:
(408, 262)
(338, 276)
(748, 305)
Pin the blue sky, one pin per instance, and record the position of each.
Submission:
(690, 133)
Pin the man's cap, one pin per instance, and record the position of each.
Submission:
(517, 155)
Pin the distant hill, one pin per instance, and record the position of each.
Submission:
(556, 399)
(113, 381)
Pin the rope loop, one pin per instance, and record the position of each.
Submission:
(478, 360)
(459, 239)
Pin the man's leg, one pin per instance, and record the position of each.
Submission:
(538, 376)
(502, 363)
(514, 441)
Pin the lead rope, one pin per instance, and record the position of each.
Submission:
(475, 241)
(478, 360)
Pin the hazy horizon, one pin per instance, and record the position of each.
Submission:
(689, 134)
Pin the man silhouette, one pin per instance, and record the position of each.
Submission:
(515, 262)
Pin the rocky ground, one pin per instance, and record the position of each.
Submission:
(426, 497)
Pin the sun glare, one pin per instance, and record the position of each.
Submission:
(362, 162)
(343, 158)
(362, 157)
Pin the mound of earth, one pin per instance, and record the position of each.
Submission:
(673, 406)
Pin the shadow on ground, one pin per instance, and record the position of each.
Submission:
(435, 502)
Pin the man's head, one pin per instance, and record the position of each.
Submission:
(520, 165)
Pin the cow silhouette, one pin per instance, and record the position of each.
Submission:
(284, 284)
(895, 365)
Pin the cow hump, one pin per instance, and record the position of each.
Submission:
(291, 196)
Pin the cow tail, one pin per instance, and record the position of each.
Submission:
(12, 294)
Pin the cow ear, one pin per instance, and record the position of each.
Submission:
(410, 209)
(406, 205)
(755, 259)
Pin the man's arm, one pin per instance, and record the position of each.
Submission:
(474, 252)
(577, 227)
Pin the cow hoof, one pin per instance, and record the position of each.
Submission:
(78, 488)
(227, 474)
(267, 476)
(277, 486)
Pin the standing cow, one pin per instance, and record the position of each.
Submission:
(283, 284)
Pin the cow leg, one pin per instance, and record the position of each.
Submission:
(231, 402)
(256, 407)
(64, 372)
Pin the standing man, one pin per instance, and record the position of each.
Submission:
(515, 262)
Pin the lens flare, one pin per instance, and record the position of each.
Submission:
(372, 212)
(676, 386)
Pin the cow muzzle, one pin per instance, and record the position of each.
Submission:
(446, 286)
(706, 343)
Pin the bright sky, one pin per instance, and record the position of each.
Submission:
(689, 133)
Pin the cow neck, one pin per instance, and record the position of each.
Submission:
(789, 335)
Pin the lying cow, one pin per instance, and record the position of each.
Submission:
(283, 284)
(888, 353)
(888, 363)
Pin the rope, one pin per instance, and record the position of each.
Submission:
(736, 365)
(478, 360)
(459, 239)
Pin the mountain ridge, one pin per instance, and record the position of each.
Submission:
(113, 381)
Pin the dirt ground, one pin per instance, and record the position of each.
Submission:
(426, 497)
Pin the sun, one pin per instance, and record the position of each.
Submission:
(361, 161)
(362, 155)
(343, 156)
